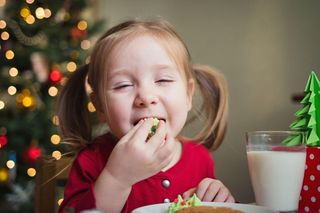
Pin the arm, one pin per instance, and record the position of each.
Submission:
(131, 161)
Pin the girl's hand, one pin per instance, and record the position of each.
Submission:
(133, 159)
(210, 190)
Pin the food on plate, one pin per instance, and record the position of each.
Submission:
(194, 205)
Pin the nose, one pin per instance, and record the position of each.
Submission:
(145, 97)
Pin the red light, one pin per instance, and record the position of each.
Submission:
(3, 140)
(55, 76)
(34, 153)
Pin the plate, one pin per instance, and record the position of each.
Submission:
(247, 208)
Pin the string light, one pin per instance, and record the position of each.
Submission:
(91, 107)
(82, 25)
(2, 105)
(3, 24)
(30, 19)
(5, 35)
(71, 66)
(56, 154)
(10, 164)
(53, 91)
(27, 101)
(40, 13)
(13, 72)
(31, 172)
(29, 1)
(47, 13)
(25, 12)
(85, 44)
(55, 139)
(4, 175)
(12, 90)
(9, 54)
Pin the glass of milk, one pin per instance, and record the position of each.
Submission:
(276, 170)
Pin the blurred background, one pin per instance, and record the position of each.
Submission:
(265, 49)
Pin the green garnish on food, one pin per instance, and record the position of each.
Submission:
(154, 127)
(179, 203)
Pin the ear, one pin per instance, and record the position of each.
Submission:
(99, 111)
(190, 92)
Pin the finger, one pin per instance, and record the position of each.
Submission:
(222, 195)
(202, 188)
(230, 199)
(211, 191)
(187, 194)
(132, 131)
(141, 134)
(159, 137)
(166, 149)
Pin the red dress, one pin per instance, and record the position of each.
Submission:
(194, 165)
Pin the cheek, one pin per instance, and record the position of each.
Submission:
(118, 117)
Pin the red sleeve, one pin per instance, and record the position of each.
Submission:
(78, 192)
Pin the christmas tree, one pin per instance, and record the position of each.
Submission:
(308, 116)
(41, 43)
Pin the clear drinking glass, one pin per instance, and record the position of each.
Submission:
(276, 170)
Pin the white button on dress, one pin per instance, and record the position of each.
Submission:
(166, 183)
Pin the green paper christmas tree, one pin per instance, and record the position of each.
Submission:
(308, 116)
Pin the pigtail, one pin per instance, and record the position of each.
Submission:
(74, 123)
(214, 91)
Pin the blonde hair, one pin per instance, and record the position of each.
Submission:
(73, 115)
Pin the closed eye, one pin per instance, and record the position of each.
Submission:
(122, 86)
(164, 81)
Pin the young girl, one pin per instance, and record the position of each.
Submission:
(141, 70)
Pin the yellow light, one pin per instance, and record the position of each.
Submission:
(10, 164)
(85, 44)
(30, 19)
(40, 13)
(82, 25)
(56, 154)
(4, 175)
(29, 1)
(27, 101)
(60, 201)
(71, 66)
(5, 35)
(31, 172)
(53, 91)
(55, 139)
(3, 24)
(2, 3)
(2, 105)
(24, 12)
(13, 72)
(12, 90)
(91, 107)
(9, 54)
(47, 13)
(55, 120)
